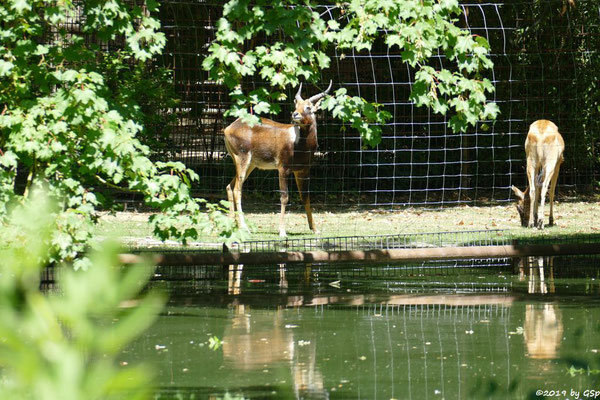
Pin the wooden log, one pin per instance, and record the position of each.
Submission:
(379, 256)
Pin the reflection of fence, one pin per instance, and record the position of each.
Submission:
(545, 55)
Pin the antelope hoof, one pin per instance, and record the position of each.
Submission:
(282, 233)
(551, 222)
(540, 224)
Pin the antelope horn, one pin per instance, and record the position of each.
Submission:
(319, 96)
(298, 96)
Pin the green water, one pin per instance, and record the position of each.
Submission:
(388, 332)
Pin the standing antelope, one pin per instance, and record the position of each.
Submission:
(544, 148)
(271, 145)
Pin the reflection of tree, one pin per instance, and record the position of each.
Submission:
(543, 330)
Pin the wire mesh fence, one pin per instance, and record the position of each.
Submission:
(373, 242)
(484, 237)
(544, 53)
(392, 274)
(567, 265)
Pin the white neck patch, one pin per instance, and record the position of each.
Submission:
(294, 132)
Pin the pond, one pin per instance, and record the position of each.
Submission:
(480, 329)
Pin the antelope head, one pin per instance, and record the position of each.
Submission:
(523, 202)
(305, 109)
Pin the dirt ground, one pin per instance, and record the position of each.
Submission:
(572, 218)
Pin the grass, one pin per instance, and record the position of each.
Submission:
(573, 218)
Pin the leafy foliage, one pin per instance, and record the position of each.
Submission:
(145, 93)
(298, 36)
(64, 126)
(65, 345)
(363, 116)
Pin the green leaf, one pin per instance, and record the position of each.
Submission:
(457, 123)
(41, 50)
(323, 59)
(8, 159)
(410, 57)
(20, 5)
(84, 96)
(152, 5)
(208, 63)
(481, 41)
(419, 93)
(491, 111)
(5, 67)
(262, 107)
(333, 24)
(69, 75)
(232, 59)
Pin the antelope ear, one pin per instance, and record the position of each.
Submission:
(520, 195)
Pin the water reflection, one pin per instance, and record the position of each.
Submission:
(288, 333)
(235, 279)
(253, 343)
(307, 377)
(262, 341)
(543, 330)
(533, 270)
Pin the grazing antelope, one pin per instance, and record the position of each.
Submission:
(271, 145)
(544, 148)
